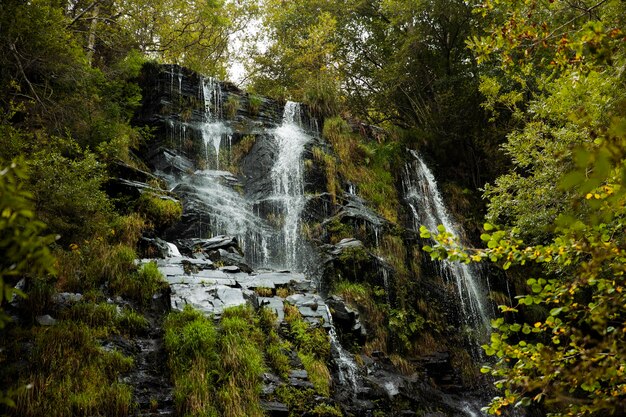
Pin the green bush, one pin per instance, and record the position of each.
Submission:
(107, 316)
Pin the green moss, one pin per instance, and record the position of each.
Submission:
(275, 348)
(330, 169)
(373, 310)
(307, 339)
(318, 373)
(337, 230)
(325, 410)
(240, 150)
(160, 211)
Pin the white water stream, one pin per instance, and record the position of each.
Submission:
(422, 195)
(288, 179)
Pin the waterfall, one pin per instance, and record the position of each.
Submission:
(427, 207)
(213, 128)
(346, 365)
(288, 179)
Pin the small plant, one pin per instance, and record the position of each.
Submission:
(318, 372)
(283, 292)
(325, 410)
(241, 149)
(254, 104)
(232, 106)
(127, 229)
(264, 292)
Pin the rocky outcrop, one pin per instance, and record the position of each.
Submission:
(215, 146)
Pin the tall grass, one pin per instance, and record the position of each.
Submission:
(71, 375)
(216, 371)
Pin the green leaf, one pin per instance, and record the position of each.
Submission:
(556, 311)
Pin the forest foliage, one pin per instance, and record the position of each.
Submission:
(523, 99)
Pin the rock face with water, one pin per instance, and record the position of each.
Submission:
(258, 228)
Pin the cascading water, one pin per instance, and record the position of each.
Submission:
(288, 179)
(348, 369)
(213, 128)
(422, 195)
(230, 213)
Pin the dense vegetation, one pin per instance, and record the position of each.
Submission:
(524, 100)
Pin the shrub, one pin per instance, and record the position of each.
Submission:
(127, 229)
(107, 316)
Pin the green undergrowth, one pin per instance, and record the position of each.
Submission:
(97, 262)
(366, 164)
(216, 368)
(68, 371)
(276, 348)
(109, 317)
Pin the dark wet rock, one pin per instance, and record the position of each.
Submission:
(356, 218)
(256, 169)
(231, 259)
(301, 383)
(117, 187)
(318, 208)
(149, 377)
(46, 320)
(270, 383)
(439, 368)
(161, 302)
(193, 246)
(344, 244)
(169, 161)
(20, 286)
(218, 242)
(272, 280)
(346, 318)
(121, 169)
(298, 373)
(275, 409)
(153, 247)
